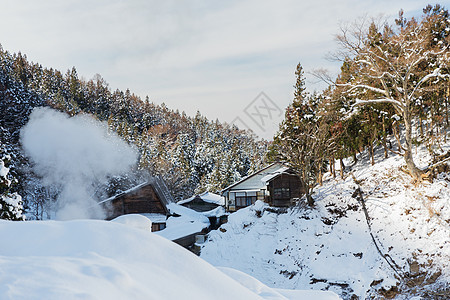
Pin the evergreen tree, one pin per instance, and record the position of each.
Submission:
(301, 139)
(10, 203)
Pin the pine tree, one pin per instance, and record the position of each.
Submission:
(10, 203)
(300, 142)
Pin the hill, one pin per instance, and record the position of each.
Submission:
(87, 259)
(330, 247)
(192, 153)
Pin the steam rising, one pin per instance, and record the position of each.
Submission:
(73, 153)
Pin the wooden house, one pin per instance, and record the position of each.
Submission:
(203, 202)
(210, 205)
(276, 184)
(149, 199)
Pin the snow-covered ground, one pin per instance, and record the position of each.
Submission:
(88, 259)
(329, 247)
(188, 222)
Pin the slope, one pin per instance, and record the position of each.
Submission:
(329, 247)
(87, 259)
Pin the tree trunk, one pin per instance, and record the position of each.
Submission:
(309, 199)
(342, 167)
(372, 159)
(421, 127)
(446, 104)
(333, 166)
(413, 170)
(320, 175)
(383, 138)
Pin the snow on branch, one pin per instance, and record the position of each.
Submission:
(380, 100)
(364, 86)
(436, 73)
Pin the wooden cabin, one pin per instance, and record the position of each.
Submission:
(203, 202)
(211, 205)
(276, 184)
(149, 199)
(283, 189)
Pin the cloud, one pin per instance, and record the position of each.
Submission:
(193, 54)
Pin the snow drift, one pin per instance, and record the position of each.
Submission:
(93, 259)
(74, 153)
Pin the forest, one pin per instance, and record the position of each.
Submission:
(192, 154)
(392, 91)
(394, 82)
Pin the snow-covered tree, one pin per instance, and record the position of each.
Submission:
(393, 67)
(10, 203)
(302, 138)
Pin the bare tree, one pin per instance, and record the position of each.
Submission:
(392, 67)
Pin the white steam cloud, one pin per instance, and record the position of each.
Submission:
(72, 153)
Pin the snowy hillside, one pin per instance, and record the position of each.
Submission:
(330, 248)
(89, 259)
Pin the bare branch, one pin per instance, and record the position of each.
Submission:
(323, 75)
(424, 79)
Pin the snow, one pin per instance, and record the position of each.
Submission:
(90, 259)
(330, 247)
(274, 174)
(189, 222)
(3, 170)
(216, 212)
(135, 188)
(207, 197)
(155, 218)
(264, 291)
(135, 221)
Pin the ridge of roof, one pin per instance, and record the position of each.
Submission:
(249, 176)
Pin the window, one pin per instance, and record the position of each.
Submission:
(158, 226)
(281, 193)
(245, 200)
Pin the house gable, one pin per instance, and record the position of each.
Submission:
(198, 204)
(147, 198)
(275, 184)
(253, 181)
(284, 188)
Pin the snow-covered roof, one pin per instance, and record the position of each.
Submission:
(274, 174)
(180, 230)
(216, 212)
(191, 214)
(125, 192)
(155, 218)
(189, 222)
(253, 181)
(207, 197)
(158, 185)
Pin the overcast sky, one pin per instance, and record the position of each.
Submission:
(231, 60)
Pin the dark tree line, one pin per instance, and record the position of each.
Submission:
(192, 154)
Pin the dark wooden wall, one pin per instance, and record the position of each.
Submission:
(143, 200)
(199, 205)
(290, 181)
